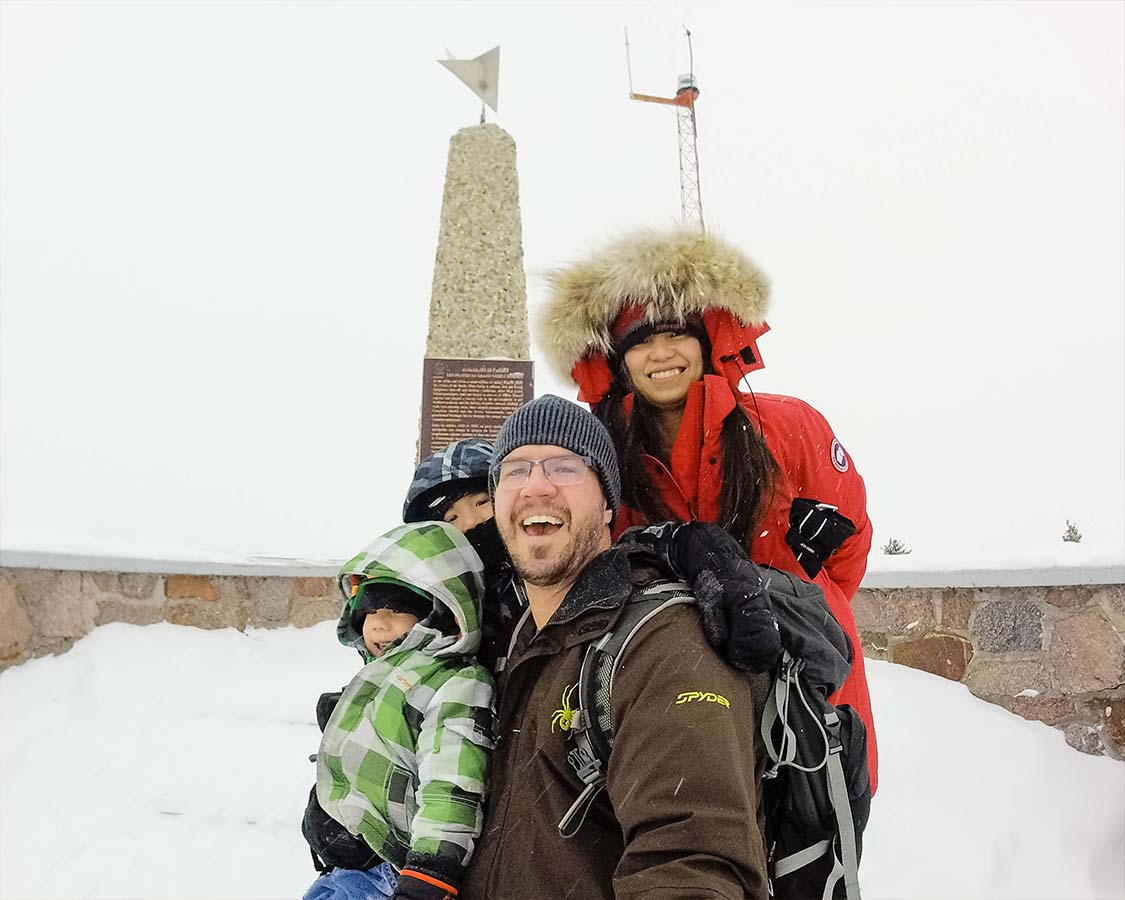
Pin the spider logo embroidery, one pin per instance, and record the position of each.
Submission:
(564, 717)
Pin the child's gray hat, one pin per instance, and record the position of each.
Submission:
(560, 423)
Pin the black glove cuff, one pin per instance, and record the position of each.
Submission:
(652, 543)
(414, 885)
(816, 531)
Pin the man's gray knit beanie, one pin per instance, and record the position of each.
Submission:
(560, 423)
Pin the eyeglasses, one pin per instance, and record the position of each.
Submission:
(561, 471)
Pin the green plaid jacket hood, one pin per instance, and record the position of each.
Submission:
(433, 559)
(404, 756)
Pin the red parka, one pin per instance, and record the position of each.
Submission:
(669, 277)
(811, 463)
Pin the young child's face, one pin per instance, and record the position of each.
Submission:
(470, 511)
(384, 626)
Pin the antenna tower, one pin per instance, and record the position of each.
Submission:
(687, 92)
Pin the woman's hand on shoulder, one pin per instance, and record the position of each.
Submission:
(734, 605)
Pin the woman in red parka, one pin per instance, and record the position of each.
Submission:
(659, 330)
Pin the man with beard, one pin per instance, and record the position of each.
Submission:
(680, 815)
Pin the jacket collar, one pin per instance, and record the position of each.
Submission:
(693, 471)
(709, 401)
(593, 603)
(605, 583)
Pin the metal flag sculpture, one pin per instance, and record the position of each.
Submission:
(481, 74)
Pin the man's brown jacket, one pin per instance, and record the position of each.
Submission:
(680, 818)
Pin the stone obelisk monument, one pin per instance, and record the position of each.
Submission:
(478, 367)
(478, 306)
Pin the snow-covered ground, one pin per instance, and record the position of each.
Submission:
(171, 762)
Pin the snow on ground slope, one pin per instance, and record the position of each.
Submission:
(976, 802)
(171, 762)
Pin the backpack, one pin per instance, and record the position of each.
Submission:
(816, 792)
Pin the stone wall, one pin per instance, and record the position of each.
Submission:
(1055, 654)
(45, 611)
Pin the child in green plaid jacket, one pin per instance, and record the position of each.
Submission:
(403, 759)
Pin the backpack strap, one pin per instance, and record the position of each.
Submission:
(502, 663)
(784, 753)
(842, 806)
(591, 731)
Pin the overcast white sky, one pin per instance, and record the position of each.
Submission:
(218, 224)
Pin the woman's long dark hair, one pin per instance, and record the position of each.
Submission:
(749, 469)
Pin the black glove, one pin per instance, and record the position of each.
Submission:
(418, 886)
(816, 531)
(737, 617)
(703, 545)
(734, 605)
(332, 846)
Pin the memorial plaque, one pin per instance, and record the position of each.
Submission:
(464, 398)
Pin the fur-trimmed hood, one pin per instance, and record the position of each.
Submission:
(673, 274)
